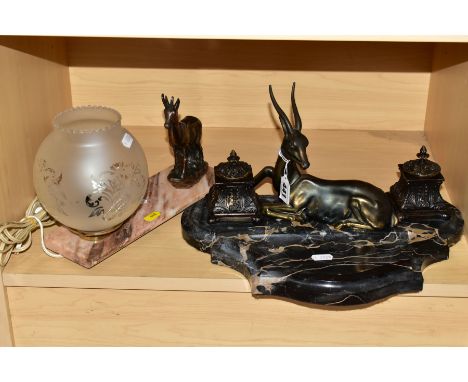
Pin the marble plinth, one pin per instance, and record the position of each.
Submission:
(161, 203)
(316, 263)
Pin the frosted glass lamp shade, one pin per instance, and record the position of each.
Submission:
(90, 173)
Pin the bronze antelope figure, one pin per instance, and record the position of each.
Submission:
(341, 203)
(185, 139)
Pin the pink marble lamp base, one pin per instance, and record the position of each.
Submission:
(162, 202)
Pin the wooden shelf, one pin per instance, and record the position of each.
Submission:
(371, 100)
(161, 260)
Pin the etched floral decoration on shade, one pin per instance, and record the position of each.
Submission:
(111, 190)
(52, 180)
(90, 173)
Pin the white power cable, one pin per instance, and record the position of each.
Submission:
(16, 237)
(47, 251)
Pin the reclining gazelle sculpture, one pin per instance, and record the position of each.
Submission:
(341, 203)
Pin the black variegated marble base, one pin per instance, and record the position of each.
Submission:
(316, 263)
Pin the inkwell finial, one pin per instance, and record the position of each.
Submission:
(422, 153)
(233, 157)
(421, 167)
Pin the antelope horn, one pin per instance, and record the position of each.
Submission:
(285, 123)
(297, 117)
(164, 99)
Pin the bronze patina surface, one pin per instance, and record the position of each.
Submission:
(342, 203)
(185, 140)
(328, 242)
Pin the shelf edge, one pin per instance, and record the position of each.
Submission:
(239, 285)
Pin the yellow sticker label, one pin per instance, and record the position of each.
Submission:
(153, 215)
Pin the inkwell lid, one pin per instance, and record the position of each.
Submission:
(234, 170)
(421, 167)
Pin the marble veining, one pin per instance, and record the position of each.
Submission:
(161, 198)
(284, 259)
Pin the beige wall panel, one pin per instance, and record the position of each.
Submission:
(447, 119)
(56, 316)
(33, 90)
(239, 98)
(355, 85)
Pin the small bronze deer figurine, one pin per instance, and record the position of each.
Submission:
(185, 139)
(341, 203)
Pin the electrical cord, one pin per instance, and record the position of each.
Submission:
(16, 237)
